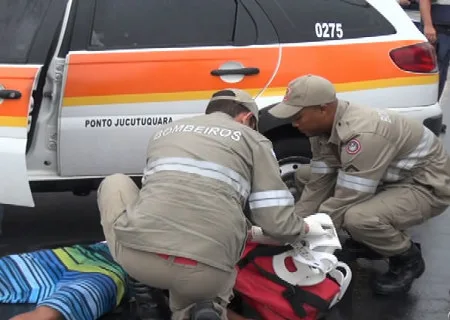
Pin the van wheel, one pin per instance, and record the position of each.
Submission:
(288, 166)
(292, 153)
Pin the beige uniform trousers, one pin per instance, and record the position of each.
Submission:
(380, 222)
(187, 284)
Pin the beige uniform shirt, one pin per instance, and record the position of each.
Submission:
(201, 173)
(370, 149)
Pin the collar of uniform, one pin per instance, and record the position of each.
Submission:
(340, 110)
(221, 114)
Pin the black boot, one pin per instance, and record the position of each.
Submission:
(205, 311)
(352, 250)
(149, 303)
(403, 270)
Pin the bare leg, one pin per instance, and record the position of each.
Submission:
(40, 313)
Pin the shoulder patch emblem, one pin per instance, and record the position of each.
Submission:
(353, 146)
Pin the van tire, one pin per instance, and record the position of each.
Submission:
(292, 147)
(291, 154)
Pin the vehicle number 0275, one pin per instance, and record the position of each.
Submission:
(329, 30)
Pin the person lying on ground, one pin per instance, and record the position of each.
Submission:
(79, 282)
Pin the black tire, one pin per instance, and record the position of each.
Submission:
(292, 153)
(292, 147)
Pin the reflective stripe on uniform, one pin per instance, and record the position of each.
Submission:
(271, 198)
(392, 175)
(356, 183)
(422, 150)
(321, 167)
(202, 168)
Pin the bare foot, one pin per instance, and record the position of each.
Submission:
(40, 313)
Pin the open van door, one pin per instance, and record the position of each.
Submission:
(16, 86)
(27, 28)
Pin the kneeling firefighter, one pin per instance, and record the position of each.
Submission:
(185, 230)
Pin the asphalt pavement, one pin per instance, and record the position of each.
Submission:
(65, 219)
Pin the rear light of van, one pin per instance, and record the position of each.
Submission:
(419, 57)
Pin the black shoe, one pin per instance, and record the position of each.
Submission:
(352, 250)
(205, 311)
(150, 303)
(403, 270)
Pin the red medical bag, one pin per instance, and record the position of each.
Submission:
(272, 297)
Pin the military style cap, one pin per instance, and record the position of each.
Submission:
(305, 91)
(241, 97)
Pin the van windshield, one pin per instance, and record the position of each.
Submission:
(19, 23)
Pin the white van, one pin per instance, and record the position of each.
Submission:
(84, 83)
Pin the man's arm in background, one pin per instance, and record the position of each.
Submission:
(425, 13)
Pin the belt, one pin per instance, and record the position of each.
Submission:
(179, 260)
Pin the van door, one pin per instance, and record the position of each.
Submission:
(16, 85)
(22, 55)
(136, 65)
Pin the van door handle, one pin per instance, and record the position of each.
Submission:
(10, 94)
(227, 72)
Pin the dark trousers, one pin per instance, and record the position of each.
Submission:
(442, 52)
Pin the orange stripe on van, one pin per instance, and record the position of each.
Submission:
(14, 113)
(343, 64)
(137, 76)
(204, 95)
(135, 73)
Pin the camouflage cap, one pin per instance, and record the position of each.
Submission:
(305, 91)
(242, 97)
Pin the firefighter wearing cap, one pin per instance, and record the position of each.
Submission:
(185, 229)
(375, 172)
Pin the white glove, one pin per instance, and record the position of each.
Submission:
(315, 228)
(256, 234)
(322, 218)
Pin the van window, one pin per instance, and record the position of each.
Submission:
(120, 24)
(19, 23)
(322, 20)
